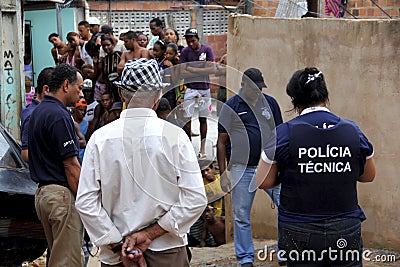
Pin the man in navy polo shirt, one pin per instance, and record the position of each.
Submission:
(42, 89)
(53, 163)
(199, 59)
(246, 125)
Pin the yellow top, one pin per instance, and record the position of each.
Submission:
(214, 194)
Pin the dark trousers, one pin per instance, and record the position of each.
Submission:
(334, 242)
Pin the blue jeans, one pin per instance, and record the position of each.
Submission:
(335, 242)
(243, 192)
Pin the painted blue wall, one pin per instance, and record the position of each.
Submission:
(44, 22)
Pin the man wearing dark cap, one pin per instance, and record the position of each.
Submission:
(245, 126)
(197, 63)
(141, 187)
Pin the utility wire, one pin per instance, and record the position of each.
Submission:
(263, 7)
(373, 1)
(345, 9)
(218, 3)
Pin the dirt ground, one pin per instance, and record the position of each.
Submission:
(224, 256)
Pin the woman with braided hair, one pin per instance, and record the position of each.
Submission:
(318, 161)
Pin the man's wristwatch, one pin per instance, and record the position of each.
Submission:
(118, 247)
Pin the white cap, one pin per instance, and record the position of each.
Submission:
(87, 84)
(93, 21)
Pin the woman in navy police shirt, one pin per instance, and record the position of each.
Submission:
(319, 159)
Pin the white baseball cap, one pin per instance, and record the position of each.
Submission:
(93, 21)
(87, 84)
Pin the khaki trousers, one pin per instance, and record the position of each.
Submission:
(55, 207)
(176, 257)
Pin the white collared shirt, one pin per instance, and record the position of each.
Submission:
(312, 109)
(137, 170)
(264, 156)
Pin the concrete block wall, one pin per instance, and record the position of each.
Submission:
(139, 5)
(217, 42)
(361, 62)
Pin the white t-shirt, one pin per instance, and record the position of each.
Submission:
(90, 111)
(85, 55)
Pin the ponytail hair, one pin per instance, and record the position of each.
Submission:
(307, 88)
(162, 45)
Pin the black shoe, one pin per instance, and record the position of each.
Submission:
(247, 264)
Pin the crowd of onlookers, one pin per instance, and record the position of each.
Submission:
(126, 76)
(100, 54)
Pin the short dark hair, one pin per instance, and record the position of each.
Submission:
(60, 74)
(131, 35)
(173, 46)
(84, 23)
(163, 106)
(92, 48)
(53, 35)
(142, 33)
(70, 36)
(107, 38)
(107, 93)
(44, 79)
(307, 87)
(157, 21)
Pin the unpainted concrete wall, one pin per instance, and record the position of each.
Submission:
(361, 63)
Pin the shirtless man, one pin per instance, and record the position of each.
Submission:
(214, 225)
(135, 51)
(60, 49)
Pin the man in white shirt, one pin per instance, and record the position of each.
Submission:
(141, 187)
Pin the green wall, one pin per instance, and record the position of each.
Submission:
(44, 22)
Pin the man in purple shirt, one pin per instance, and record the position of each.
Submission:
(199, 59)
